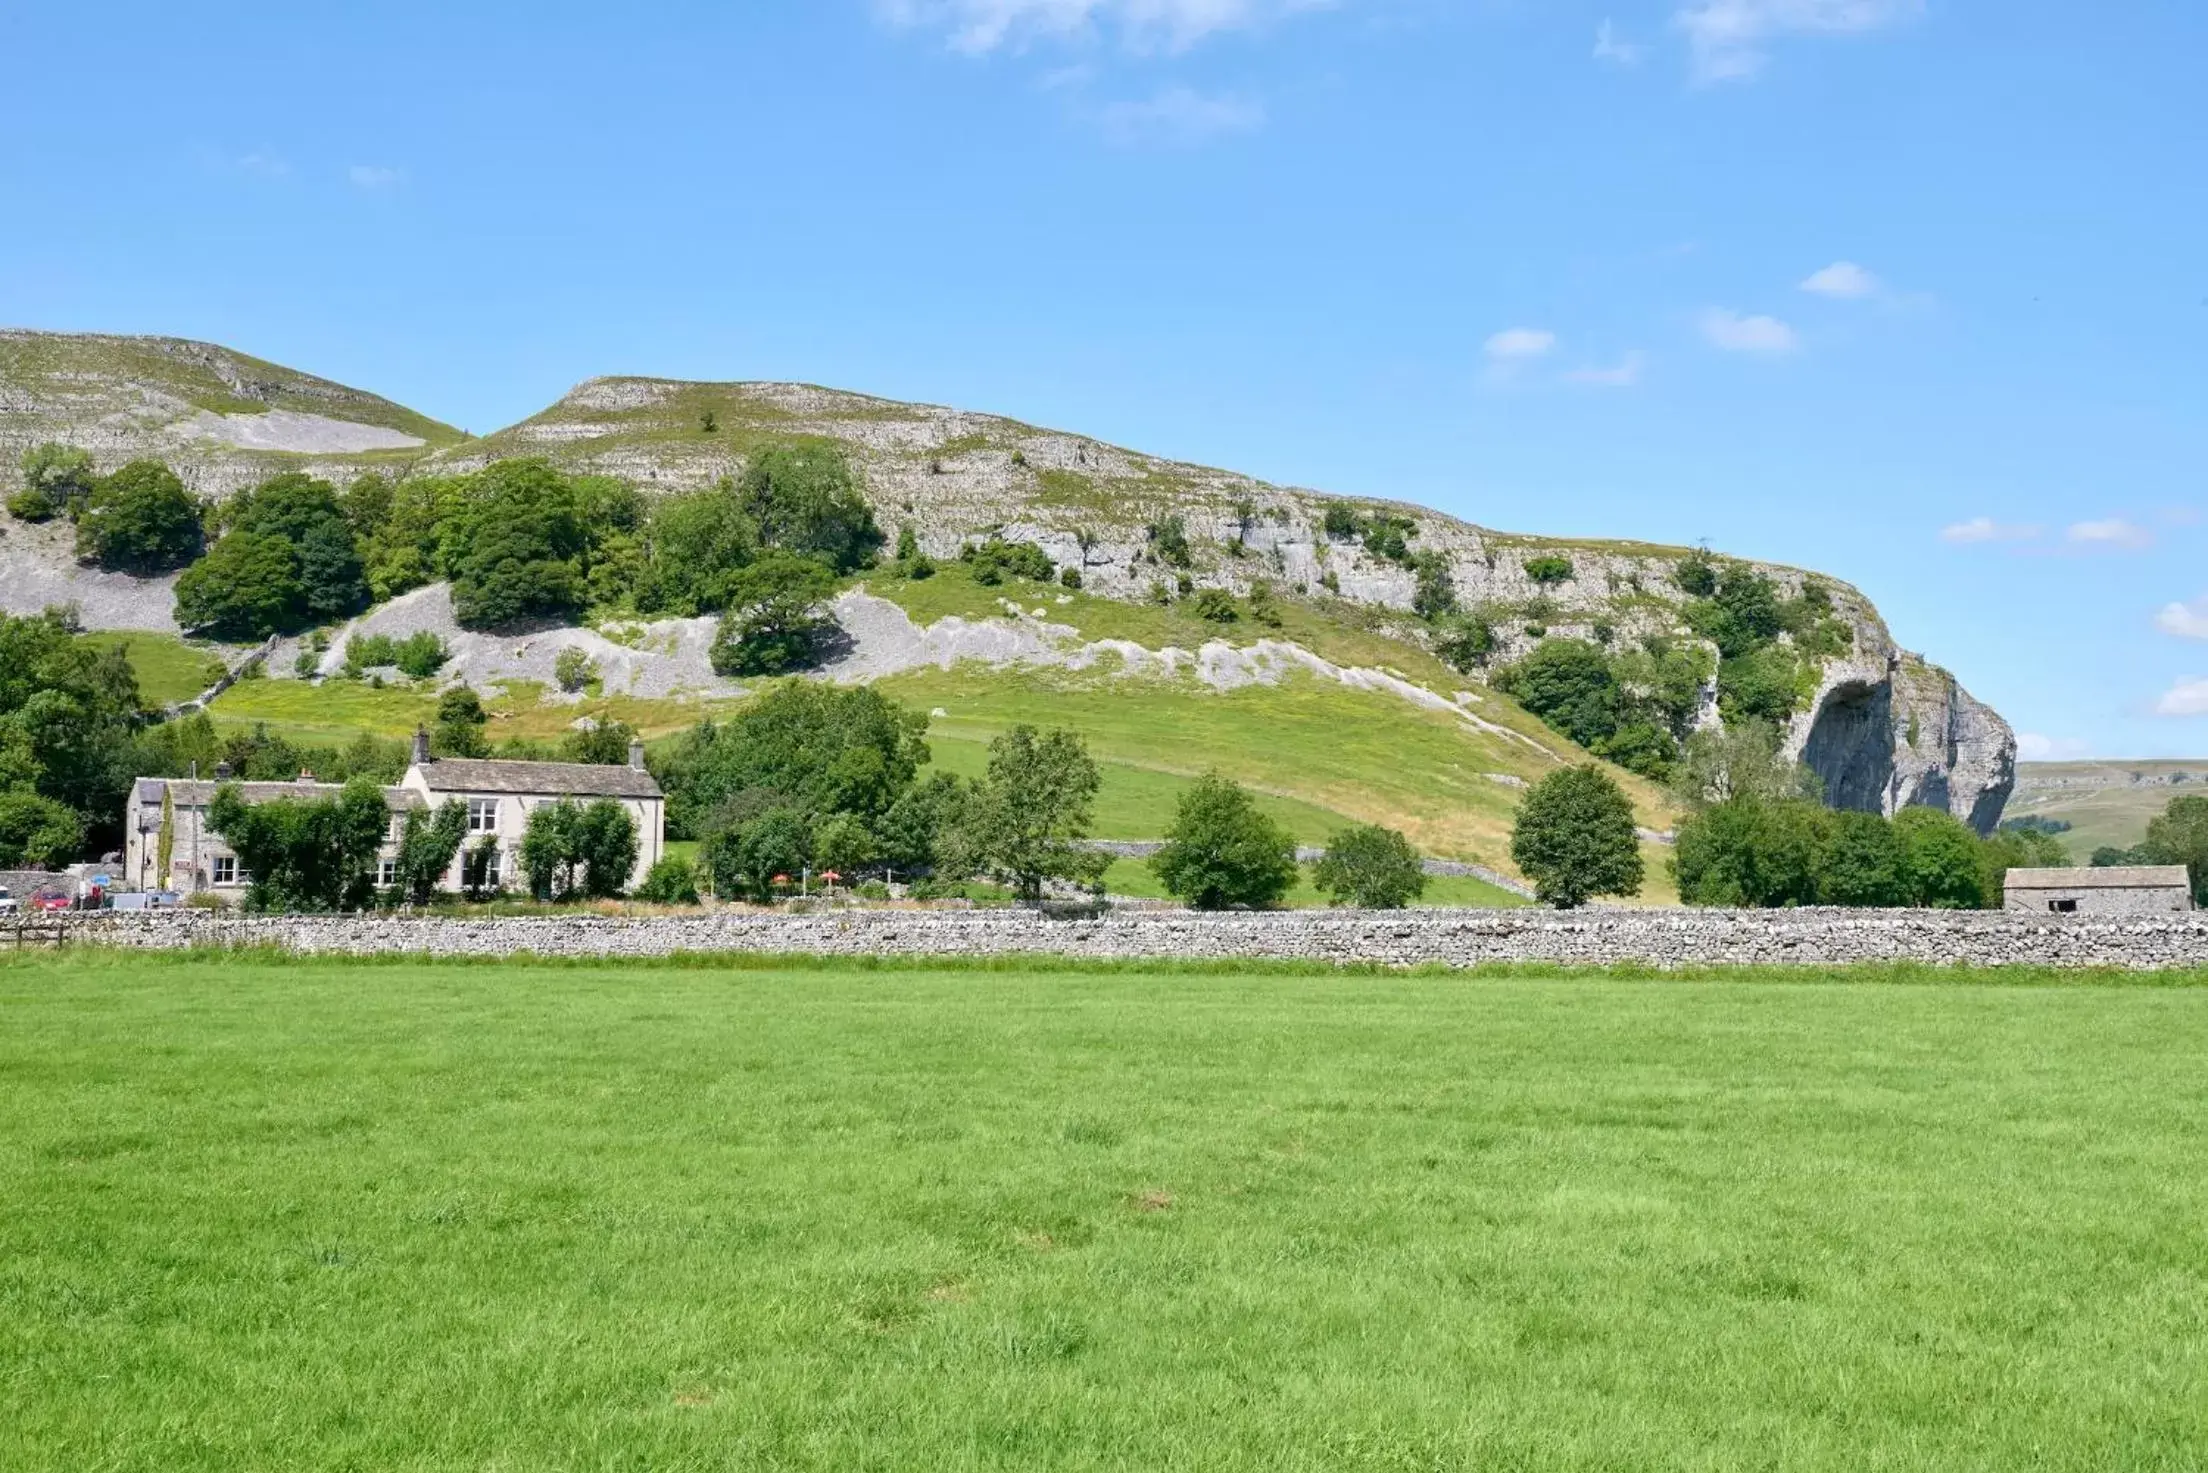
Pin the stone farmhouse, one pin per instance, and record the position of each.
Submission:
(2122, 890)
(498, 796)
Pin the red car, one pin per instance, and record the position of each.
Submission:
(50, 900)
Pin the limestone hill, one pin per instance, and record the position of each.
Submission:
(1882, 727)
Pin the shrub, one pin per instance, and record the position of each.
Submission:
(1548, 570)
(995, 560)
(30, 506)
(1341, 522)
(56, 479)
(1169, 540)
(1436, 593)
(1940, 867)
(1215, 605)
(1372, 867)
(1465, 642)
(1223, 851)
(573, 669)
(1070, 577)
(305, 854)
(1575, 839)
(1568, 684)
(1750, 852)
(1264, 604)
(1695, 575)
(672, 881)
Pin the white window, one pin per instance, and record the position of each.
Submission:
(482, 815)
(490, 870)
(387, 872)
(226, 870)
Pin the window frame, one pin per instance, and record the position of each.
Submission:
(485, 809)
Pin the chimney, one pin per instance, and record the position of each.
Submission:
(222, 772)
(636, 754)
(421, 746)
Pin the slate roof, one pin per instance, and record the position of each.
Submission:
(2110, 877)
(536, 779)
(201, 793)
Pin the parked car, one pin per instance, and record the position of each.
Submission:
(7, 899)
(52, 900)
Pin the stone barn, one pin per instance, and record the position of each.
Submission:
(2134, 890)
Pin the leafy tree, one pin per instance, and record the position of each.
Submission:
(306, 515)
(1223, 851)
(57, 479)
(68, 711)
(1568, 684)
(908, 543)
(603, 743)
(428, 841)
(928, 827)
(2015, 849)
(1751, 852)
(246, 586)
(368, 504)
(2108, 856)
(695, 544)
(305, 854)
(672, 881)
(575, 849)
(1034, 810)
(1465, 642)
(1169, 540)
(774, 624)
(37, 833)
(1761, 684)
(140, 520)
(821, 748)
(1864, 863)
(1940, 868)
(745, 857)
(461, 721)
(1264, 604)
(1371, 867)
(2180, 836)
(1435, 594)
(805, 499)
(1548, 570)
(1740, 761)
(514, 546)
(573, 669)
(1341, 521)
(1695, 574)
(1575, 838)
(842, 842)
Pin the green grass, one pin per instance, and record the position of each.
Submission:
(307, 1215)
(169, 669)
(1133, 877)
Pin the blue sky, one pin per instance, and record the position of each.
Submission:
(1914, 292)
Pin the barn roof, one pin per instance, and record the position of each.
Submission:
(536, 779)
(2112, 877)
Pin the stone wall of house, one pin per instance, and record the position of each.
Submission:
(1456, 938)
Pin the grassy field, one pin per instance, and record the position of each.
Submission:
(312, 1215)
(2112, 811)
(169, 669)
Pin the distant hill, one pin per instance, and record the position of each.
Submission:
(1883, 727)
(2107, 803)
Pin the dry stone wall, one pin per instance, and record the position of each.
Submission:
(1455, 938)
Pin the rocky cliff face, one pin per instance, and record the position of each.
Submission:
(1884, 729)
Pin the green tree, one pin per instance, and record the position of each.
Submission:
(57, 480)
(1940, 860)
(1223, 851)
(514, 546)
(603, 743)
(1863, 863)
(69, 711)
(461, 721)
(928, 828)
(774, 623)
(1548, 570)
(1371, 867)
(1575, 839)
(1568, 683)
(246, 586)
(2180, 836)
(606, 844)
(1169, 540)
(579, 850)
(428, 841)
(305, 854)
(842, 842)
(694, 545)
(37, 833)
(1435, 594)
(806, 499)
(1751, 852)
(1744, 760)
(574, 669)
(305, 513)
(140, 520)
(822, 748)
(1761, 684)
(1465, 642)
(1034, 810)
(744, 857)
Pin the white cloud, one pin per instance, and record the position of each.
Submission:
(2114, 532)
(264, 162)
(1615, 49)
(2186, 621)
(375, 176)
(1844, 279)
(2189, 697)
(1521, 344)
(981, 26)
(1986, 529)
(1730, 39)
(1623, 374)
(1180, 115)
(1738, 334)
(2032, 747)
